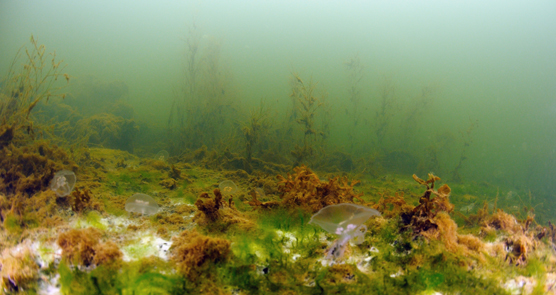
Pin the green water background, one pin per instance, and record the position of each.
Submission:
(490, 63)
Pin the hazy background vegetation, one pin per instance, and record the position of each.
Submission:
(491, 65)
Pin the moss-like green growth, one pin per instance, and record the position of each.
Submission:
(93, 218)
(190, 198)
(12, 224)
(284, 219)
(535, 267)
(141, 277)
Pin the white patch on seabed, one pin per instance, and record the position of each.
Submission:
(289, 239)
(397, 274)
(49, 286)
(365, 263)
(520, 285)
(45, 254)
(146, 244)
(115, 223)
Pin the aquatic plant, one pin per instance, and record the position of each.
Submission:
(203, 111)
(430, 204)
(386, 111)
(26, 166)
(255, 202)
(83, 247)
(141, 203)
(466, 141)
(416, 110)
(259, 192)
(18, 269)
(346, 221)
(355, 72)
(146, 276)
(63, 183)
(216, 215)
(304, 189)
(305, 103)
(195, 253)
(175, 173)
(80, 200)
(31, 79)
(169, 183)
(257, 126)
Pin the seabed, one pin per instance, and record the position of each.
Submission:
(246, 243)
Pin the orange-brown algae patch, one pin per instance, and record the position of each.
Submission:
(467, 246)
(18, 268)
(195, 253)
(219, 215)
(520, 247)
(501, 220)
(471, 242)
(78, 246)
(185, 209)
(169, 183)
(83, 247)
(393, 206)
(82, 200)
(304, 189)
(107, 253)
(168, 223)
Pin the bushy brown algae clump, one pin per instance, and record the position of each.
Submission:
(82, 247)
(522, 239)
(256, 203)
(107, 253)
(26, 165)
(218, 214)
(393, 206)
(21, 212)
(304, 189)
(169, 183)
(80, 200)
(195, 253)
(18, 269)
(78, 245)
(29, 169)
(210, 206)
(431, 219)
(421, 218)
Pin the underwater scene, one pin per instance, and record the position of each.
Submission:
(277, 147)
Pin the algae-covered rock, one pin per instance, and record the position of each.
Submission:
(195, 253)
